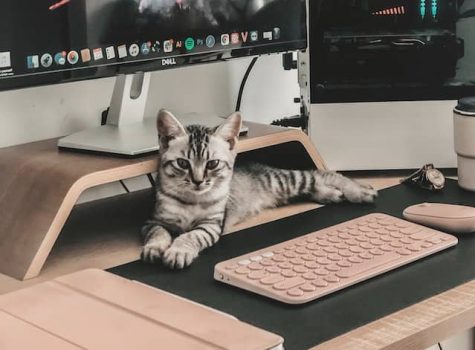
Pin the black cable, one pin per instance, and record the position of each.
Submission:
(150, 178)
(440, 346)
(243, 83)
(124, 186)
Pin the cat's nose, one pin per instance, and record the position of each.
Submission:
(197, 182)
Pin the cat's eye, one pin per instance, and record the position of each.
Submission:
(212, 164)
(183, 163)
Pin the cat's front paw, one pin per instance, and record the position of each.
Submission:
(152, 252)
(359, 193)
(179, 256)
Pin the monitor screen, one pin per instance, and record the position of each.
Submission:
(52, 41)
(386, 50)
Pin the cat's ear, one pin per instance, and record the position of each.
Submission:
(168, 128)
(230, 129)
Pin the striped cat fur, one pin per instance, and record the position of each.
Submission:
(199, 192)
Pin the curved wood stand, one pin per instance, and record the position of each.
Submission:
(39, 185)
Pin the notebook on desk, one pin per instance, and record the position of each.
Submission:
(94, 309)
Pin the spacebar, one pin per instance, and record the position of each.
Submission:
(368, 265)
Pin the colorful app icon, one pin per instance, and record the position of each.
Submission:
(86, 55)
(156, 46)
(134, 50)
(235, 38)
(46, 60)
(189, 44)
(225, 39)
(110, 52)
(33, 62)
(60, 58)
(200, 42)
(5, 59)
(179, 44)
(244, 36)
(145, 48)
(168, 45)
(267, 35)
(276, 32)
(254, 35)
(73, 57)
(210, 41)
(122, 50)
(98, 54)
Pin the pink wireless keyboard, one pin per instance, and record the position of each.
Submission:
(309, 267)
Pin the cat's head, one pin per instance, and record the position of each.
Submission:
(196, 159)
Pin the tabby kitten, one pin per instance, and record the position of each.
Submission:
(199, 193)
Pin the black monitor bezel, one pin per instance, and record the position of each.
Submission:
(67, 76)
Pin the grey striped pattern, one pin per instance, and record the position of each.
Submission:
(199, 195)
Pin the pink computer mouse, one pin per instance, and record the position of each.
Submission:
(446, 217)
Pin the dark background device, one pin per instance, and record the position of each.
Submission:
(388, 50)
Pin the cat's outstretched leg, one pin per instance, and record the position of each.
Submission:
(156, 241)
(186, 247)
(333, 183)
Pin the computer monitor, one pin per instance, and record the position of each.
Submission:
(58, 41)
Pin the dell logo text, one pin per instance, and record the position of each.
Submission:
(168, 62)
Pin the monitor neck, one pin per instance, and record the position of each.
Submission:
(129, 99)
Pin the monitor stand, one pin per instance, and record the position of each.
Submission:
(127, 132)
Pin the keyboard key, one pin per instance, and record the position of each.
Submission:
(414, 247)
(279, 251)
(244, 262)
(311, 264)
(330, 250)
(331, 279)
(300, 269)
(365, 229)
(323, 243)
(333, 268)
(289, 283)
(427, 245)
(308, 287)
(376, 242)
(323, 261)
(295, 292)
(334, 257)
(355, 259)
(345, 253)
(356, 250)
(406, 240)
(422, 235)
(396, 244)
(285, 265)
(365, 255)
(362, 239)
(279, 258)
(320, 283)
(257, 275)
(392, 228)
(273, 269)
(288, 273)
(255, 266)
(396, 235)
(242, 270)
(313, 246)
(332, 233)
(341, 245)
(297, 261)
(352, 242)
(267, 262)
(301, 250)
(386, 248)
(404, 251)
(290, 247)
(268, 254)
(309, 276)
(309, 257)
(376, 251)
(344, 263)
(411, 230)
(366, 246)
(256, 258)
(434, 240)
(321, 272)
(362, 268)
(386, 238)
(290, 254)
(301, 243)
(272, 279)
(320, 253)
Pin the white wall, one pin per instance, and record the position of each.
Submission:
(45, 112)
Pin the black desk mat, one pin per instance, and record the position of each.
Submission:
(307, 325)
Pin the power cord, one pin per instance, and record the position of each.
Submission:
(440, 346)
(243, 83)
(124, 186)
(151, 180)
